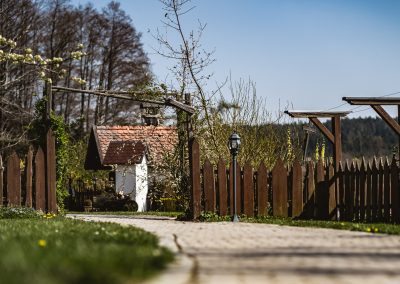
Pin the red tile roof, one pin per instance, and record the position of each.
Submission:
(158, 139)
(124, 153)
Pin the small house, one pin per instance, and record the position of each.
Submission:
(131, 152)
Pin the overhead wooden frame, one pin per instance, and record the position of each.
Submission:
(334, 136)
(376, 104)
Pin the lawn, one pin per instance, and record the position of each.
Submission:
(129, 213)
(59, 250)
(392, 229)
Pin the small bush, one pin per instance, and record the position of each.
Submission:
(19, 213)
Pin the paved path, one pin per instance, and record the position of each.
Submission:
(261, 253)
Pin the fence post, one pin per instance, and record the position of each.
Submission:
(262, 189)
(279, 190)
(29, 173)
(321, 193)
(297, 190)
(1, 181)
(51, 172)
(13, 180)
(222, 188)
(40, 181)
(209, 186)
(248, 190)
(394, 174)
(194, 163)
(374, 190)
(386, 193)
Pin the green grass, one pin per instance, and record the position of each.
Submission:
(130, 213)
(59, 250)
(352, 226)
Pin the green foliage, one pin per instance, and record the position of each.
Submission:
(19, 213)
(38, 132)
(59, 251)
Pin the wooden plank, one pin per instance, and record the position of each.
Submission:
(321, 193)
(347, 188)
(194, 162)
(368, 199)
(341, 193)
(248, 190)
(51, 172)
(363, 190)
(309, 207)
(352, 191)
(327, 133)
(394, 185)
(356, 195)
(374, 191)
(387, 118)
(279, 190)
(308, 114)
(209, 188)
(380, 190)
(386, 192)
(332, 192)
(40, 181)
(297, 189)
(29, 176)
(262, 190)
(222, 188)
(372, 100)
(1, 181)
(13, 180)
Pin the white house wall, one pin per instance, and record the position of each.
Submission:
(132, 180)
(142, 186)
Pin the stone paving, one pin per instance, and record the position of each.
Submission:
(261, 253)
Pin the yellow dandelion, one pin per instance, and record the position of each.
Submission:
(376, 230)
(368, 230)
(42, 243)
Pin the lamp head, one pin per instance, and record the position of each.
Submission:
(234, 143)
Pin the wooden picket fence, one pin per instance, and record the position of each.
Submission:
(35, 186)
(355, 192)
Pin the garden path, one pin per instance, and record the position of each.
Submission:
(226, 252)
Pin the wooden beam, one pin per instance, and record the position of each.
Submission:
(372, 100)
(184, 107)
(131, 97)
(387, 118)
(111, 94)
(316, 114)
(323, 129)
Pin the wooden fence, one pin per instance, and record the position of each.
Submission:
(355, 192)
(34, 184)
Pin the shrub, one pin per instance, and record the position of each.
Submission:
(19, 213)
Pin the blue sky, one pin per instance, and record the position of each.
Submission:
(305, 53)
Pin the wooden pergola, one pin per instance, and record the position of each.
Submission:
(334, 136)
(376, 104)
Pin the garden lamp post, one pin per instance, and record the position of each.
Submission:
(234, 145)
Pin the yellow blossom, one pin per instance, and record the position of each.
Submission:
(42, 243)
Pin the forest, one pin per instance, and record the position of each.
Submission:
(71, 46)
